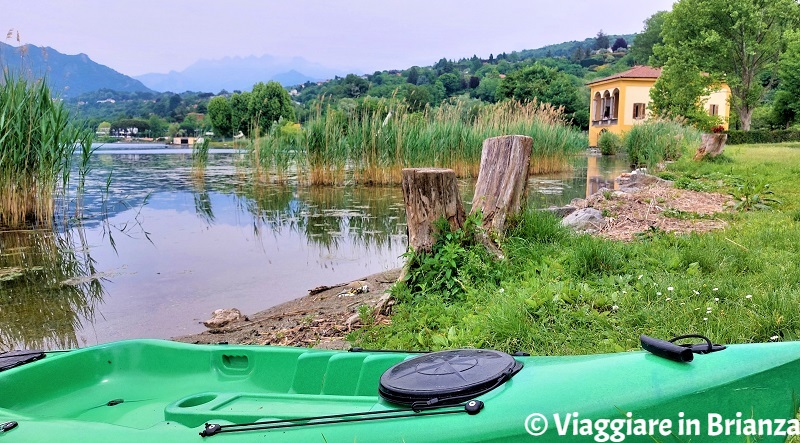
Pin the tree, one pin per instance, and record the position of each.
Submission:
(602, 40)
(219, 111)
(268, 103)
(678, 93)
(642, 49)
(240, 121)
(740, 39)
(548, 85)
(158, 126)
(413, 75)
(452, 83)
(619, 43)
(354, 86)
(786, 104)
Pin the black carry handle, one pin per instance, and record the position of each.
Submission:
(665, 349)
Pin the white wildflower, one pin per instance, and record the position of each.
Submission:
(670, 288)
(748, 296)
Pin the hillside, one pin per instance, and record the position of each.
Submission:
(69, 75)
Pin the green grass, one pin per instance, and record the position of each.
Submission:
(559, 293)
(372, 142)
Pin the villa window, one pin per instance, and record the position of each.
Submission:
(713, 110)
(638, 111)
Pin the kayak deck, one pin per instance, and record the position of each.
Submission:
(139, 386)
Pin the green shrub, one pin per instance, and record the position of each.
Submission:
(762, 136)
(609, 143)
(656, 141)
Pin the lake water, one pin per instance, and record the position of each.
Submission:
(157, 250)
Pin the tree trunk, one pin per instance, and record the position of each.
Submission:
(429, 194)
(502, 180)
(711, 145)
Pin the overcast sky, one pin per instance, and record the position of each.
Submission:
(142, 36)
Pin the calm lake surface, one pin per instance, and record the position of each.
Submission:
(158, 250)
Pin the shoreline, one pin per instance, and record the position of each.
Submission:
(322, 318)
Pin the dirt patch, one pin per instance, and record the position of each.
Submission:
(320, 319)
(657, 206)
(327, 314)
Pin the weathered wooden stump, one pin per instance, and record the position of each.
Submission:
(429, 194)
(711, 145)
(502, 180)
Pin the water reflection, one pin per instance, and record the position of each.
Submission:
(168, 247)
(48, 283)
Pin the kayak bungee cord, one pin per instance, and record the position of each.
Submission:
(471, 407)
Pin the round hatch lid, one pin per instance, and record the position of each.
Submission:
(448, 376)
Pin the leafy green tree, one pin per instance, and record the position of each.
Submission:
(538, 82)
(268, 103)
(619, 43)
(417, 97)
(678, 93)
(643, 44)
(602, 41)
(413, 75)
(104, 128)
(452, 83)
(786, 104)
(240, 120)
(158, 126)
(354, 86)
(219, 111)
(737, 38)
(487, 89)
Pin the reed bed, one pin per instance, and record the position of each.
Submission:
(37, 143)
(656, 141)
(370, 144)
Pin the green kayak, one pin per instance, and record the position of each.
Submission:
(161, 391)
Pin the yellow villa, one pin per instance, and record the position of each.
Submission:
(623, 100)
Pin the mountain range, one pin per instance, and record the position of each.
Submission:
(68, 75)
(239, 73)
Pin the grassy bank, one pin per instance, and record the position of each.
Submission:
(372, 142)
(560, 293)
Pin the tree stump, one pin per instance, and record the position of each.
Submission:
(502, 180)
(711, 145)
(429, 194)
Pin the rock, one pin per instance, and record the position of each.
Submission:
(638, 179)
(222, 317)
(561, 211)
(353, 288)
(579, 203)
(587, 220)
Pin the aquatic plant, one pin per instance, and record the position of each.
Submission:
(371, 142)
(37, 142)
(656, 141)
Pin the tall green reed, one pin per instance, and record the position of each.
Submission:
(371, 143)
(656, 141)
(37, 143)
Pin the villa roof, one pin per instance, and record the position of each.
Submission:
(634, 72)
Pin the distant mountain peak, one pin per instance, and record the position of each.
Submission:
(239, 73)
(68, 75)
